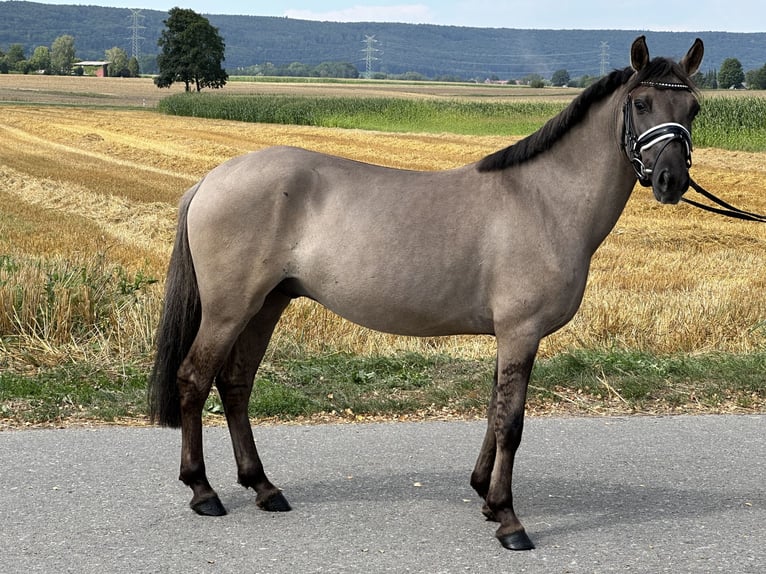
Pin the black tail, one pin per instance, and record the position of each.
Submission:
(179, 324)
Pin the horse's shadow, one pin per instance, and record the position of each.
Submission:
(549, 506)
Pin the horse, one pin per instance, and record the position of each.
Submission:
(500, 247)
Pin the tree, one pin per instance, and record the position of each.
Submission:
(62, 55)
(756, 79)
(192, 52)
(711, 80)
(15, 55)
(730, 75)
(133, 67)
(118, 62)
(560, 78)
(336, 70)
(41, 59)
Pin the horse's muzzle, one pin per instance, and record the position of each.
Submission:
(669, 186)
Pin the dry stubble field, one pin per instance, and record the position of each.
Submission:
(83, 183)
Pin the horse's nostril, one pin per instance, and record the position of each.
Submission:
(665, 179)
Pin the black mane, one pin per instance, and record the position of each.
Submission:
(555, 128)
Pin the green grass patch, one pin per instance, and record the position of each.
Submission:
(642, 381)
(577, 382)
(70, 392)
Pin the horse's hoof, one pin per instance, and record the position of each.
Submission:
(516, 541)
(274, 503)
(209, 507)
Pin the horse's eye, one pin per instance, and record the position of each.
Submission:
(641, 106)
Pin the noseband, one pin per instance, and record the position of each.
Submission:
(662, 134)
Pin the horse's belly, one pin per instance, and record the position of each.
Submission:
(403, 309)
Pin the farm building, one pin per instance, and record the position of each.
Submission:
(94, 68)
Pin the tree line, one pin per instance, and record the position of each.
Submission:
(731, 75)
(60, 59)
(193, 51)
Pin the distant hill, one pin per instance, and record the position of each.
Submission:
(429, 50)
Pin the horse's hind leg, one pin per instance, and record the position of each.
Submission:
(482, 472)
(195, 379)
(235, 383)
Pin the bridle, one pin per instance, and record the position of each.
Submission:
(664, 134)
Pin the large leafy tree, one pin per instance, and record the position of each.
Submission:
(41, 59)
(192, 52)
(731, 74)
(118, 61)
(62, 54)
(756, 79)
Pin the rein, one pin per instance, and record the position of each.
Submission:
(667, 133)
(728, 209)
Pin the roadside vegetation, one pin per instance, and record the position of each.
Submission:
(674, 318)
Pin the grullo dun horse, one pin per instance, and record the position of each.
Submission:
(501, 247)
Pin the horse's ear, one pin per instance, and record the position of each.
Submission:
(639, 54)
(691, 62)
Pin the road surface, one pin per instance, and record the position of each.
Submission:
(638, 494)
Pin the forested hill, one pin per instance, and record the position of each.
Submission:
(397, 48)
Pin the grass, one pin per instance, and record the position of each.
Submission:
(73, 310)
(72, 391)
(341, 385)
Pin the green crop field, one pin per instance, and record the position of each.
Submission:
(724, 122)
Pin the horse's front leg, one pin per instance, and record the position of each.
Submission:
(513, 370)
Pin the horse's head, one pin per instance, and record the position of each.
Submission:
(658, 115)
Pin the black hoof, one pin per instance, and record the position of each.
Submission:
(274, 503)
(210, 507)
(516, 541)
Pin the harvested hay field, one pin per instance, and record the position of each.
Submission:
(99, 187)
(90, 176)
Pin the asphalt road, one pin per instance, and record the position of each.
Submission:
(673, 494)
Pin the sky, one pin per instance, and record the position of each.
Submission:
(654, 15)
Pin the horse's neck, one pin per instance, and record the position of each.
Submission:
(598, 179)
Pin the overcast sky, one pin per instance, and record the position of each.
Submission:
(656, 15)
